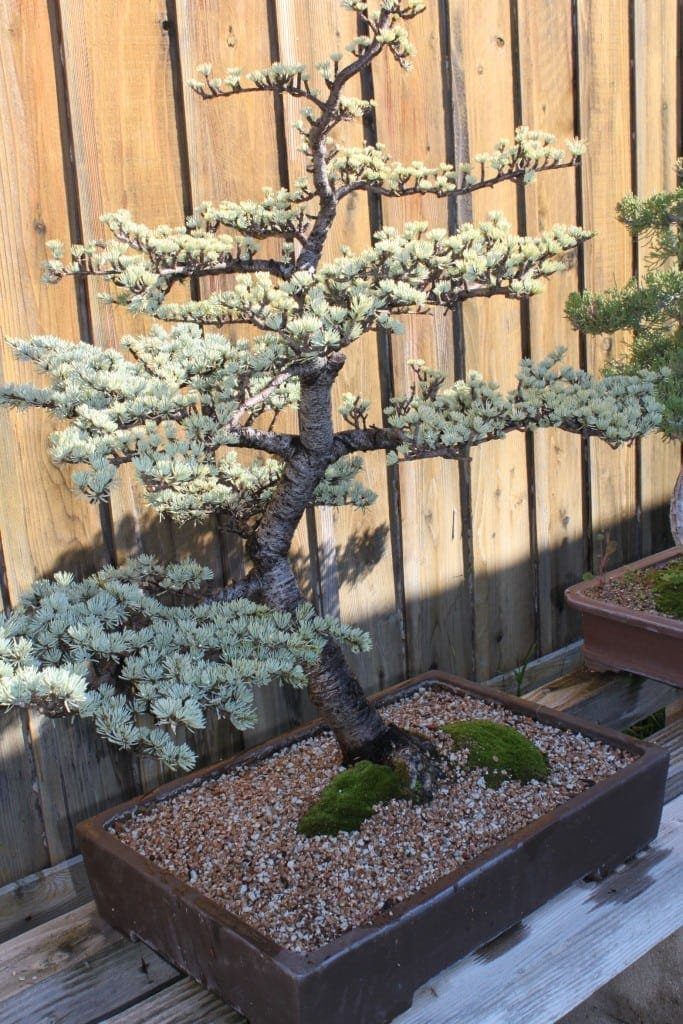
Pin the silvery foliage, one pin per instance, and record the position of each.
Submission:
(140, 651)
(195, 413)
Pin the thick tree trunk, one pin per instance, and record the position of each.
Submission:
(676, 508)
(360, 730)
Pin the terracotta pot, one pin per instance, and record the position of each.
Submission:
(626, 640)
(369, 974)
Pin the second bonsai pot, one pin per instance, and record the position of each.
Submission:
(369, 974)
(625, 639)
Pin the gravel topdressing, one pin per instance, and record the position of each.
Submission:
(234, 837)
(633, 589)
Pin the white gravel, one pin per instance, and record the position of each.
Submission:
(234, 837)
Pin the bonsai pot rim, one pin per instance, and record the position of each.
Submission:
(620, 638)
(299, 965)
(580, 596)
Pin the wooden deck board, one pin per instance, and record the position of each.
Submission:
(183, 1002)
(76, 970)
(587, 934)
(40, 897)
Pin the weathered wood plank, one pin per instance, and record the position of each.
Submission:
(42, 896)
(655, 84)
(566, 950)
(624, 701)
(77, 774)
(671, 737)
(22, 830)
(605, 119)
(44, 526)
(126, 154)
(541, 670)
(71, 970)
(546, 72)
(184, 1002)
(564, 691)
(411, 115)
(72, 938)
(504, 628)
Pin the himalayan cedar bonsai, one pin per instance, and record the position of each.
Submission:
(144, 648)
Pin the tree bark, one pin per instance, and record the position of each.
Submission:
(360, 730)
(676, 508)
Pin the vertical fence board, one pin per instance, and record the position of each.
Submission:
(546, 81)
(655, 83)
(355, 545)
(44, 526)
(233, 153)
(481, 46)
(604, 84)
(126, 155)
(410, 121)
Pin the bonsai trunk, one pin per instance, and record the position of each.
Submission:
(676, 508)
(358, 727)
(335, 692)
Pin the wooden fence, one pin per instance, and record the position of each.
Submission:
(457, 566)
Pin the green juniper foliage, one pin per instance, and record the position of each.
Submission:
(146, 649)
(650, 310)
(503, 752)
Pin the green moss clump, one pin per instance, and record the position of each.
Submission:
(503, 752)
(668, 589)
(351, 797)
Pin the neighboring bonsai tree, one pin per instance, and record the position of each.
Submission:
(146, 648)
(652, 311)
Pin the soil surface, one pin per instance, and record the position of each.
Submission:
(633, 589)
(235, 837)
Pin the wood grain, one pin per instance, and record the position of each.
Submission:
(180, 1003)
(44, 895)
(126, 154)
(23, 848)
(43, 524)
(411, 116)
(504, 627)
(655, 82)
(70, 970)
(546, 72)
(605, 120)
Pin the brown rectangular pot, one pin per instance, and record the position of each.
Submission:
(369, 975)
(626, 640)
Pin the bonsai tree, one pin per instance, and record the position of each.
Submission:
(144, 648)
(652, 312)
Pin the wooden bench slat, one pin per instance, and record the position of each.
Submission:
(563, 692)
(47, 949)
(40, 897)
(183, 1002)
(671, 737)
(84, 992)
(588, 934)
(622, 703)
